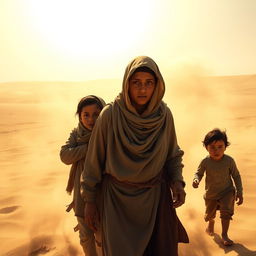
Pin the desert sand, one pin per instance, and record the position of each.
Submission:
(36, 118)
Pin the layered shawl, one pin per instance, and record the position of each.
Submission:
(133, 148)
(141, 143)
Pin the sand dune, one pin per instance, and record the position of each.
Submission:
(36, 118)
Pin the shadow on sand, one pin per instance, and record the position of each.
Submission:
(240, 249)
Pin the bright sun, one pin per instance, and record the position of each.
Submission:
(84, 28)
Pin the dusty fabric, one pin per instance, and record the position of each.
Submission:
(87, 239)
(128, 218)
(74, 152)
(219, 177)
(133, 149)
(82, 137)
(168, 230)
(225, 205)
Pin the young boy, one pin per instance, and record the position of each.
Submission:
(220, 192)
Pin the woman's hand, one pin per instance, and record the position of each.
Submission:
(179, 194)
(91, 216)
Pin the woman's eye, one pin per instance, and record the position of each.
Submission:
(149, 83)
(135, 83)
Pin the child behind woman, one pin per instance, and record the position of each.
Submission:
(74, 152)
(221, 171)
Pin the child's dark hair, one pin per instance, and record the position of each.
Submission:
(86, 101)
(214, 135)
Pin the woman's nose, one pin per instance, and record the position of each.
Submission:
(143, 87)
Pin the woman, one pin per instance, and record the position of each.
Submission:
(133, 156)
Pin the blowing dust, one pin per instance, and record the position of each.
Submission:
(36, 119)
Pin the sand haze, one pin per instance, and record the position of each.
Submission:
(36, 119)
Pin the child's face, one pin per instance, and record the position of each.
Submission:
(216, 149)
(141, 88)
(89, 115)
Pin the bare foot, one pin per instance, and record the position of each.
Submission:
(226, 241)
(210, 229)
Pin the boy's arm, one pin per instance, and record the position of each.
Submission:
(199, 174)
(71, 152)
(237, 178)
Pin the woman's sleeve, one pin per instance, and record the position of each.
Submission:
(173, 163)
(95, 158)
(71, 152)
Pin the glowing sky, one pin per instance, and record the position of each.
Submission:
(76, 40)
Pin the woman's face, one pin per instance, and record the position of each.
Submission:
(89, 115)
(141, 89)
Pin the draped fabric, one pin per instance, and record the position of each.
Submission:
(83, 136)
(126, 156)
(168, 230)
(143, 61)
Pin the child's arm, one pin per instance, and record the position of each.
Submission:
(195, 183)
(198, 174)
(238, 182)
(71, 152)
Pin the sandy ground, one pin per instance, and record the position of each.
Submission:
(36, 119)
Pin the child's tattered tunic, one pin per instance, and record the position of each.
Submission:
(130, 156)
(74, 152)
(219, 175)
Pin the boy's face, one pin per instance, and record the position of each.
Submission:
(216, 149)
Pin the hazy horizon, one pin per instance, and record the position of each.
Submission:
(86, 40)
(112, 79)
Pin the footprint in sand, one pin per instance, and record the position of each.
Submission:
(10, 209)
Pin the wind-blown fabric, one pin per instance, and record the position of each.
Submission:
(81, 137)
(127, 156)
(74, 152)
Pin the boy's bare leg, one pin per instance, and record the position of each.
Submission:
(210, 228)
(224, 234)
